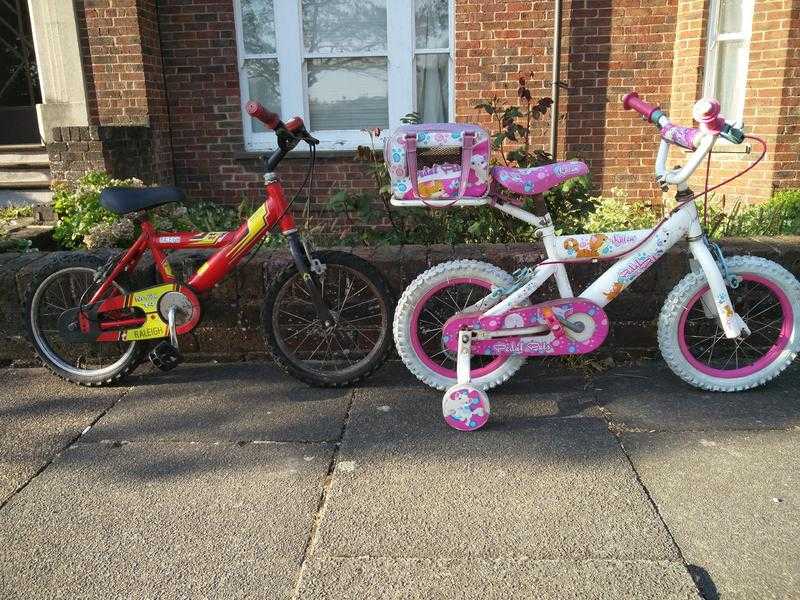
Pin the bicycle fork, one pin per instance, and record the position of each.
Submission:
(716, 300)
(305, 266)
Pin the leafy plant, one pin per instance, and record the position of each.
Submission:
(8, 214)
(82, 221)
(619, 213)
(780, 215)
(569, 203)
(514, 125)
(78, 207)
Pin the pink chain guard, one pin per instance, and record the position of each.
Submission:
(541, 344)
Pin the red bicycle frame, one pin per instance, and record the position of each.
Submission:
(233, 245)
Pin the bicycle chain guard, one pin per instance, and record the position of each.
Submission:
(548, 338)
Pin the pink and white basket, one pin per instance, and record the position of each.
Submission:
(437, 162)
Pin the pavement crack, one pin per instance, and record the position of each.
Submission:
(313, 537)
(616, 429)
(66, 446)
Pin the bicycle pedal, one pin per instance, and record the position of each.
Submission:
(165, 356)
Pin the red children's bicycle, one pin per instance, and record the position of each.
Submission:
(326, 316)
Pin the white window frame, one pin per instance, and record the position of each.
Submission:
(401, 55)
(712, 55)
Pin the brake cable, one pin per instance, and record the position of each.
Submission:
(255, 249)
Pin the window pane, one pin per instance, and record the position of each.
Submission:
(262, 81)
(348, 93)
(729, 70)
(258, 26)
(730, 16)
(432, 24)
(432, 87)
(344, 26)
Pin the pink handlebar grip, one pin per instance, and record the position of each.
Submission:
(255, 110)
(631, 100)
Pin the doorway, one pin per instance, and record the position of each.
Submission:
(20, 91)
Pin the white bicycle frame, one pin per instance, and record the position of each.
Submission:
(682, 223)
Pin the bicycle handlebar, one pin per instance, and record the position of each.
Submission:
(257, 111)
(706, 112)
(631, 101)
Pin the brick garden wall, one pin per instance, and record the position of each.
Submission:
(231, 324)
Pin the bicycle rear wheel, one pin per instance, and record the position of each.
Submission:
(60, 286)
(354, 346)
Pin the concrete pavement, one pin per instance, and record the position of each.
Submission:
(233, 481)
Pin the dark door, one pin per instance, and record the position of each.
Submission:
(19, 80)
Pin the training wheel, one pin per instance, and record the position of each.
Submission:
(465, 408)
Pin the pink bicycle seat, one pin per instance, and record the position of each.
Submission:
(537, 179)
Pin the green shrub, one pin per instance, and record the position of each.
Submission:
(82, 221)
(8, 220)
(78, 209)
(780, 215)
(619, 213)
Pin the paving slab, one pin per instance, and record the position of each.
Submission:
(163, 521)
(233, 402)
(651, 397)
(39, 416)
(406, 485)
(732, 501)
(534, 391)
(485, 579)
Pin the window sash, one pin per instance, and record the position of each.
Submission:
(401, 53)
(715, 39)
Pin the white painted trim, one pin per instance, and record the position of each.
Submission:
(252, 140)
(289, 38)
(401, 73)
(379, 54)
(712, 54)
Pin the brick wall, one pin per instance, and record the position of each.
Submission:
(122, 64)
(171, 66)
(124, 150)
(608, 48)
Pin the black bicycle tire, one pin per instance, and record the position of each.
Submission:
(289, 366)
(58, 264)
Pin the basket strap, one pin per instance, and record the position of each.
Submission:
(411, 160)
(466, 160)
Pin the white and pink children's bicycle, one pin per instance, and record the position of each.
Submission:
(466, 326)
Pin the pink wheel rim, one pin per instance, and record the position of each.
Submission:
(772, 353)
(416, 344)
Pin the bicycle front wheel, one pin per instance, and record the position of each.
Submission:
(344, 353)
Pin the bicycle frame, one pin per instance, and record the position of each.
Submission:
(232, 245)
(683, 223)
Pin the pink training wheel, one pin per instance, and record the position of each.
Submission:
(465, 408)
